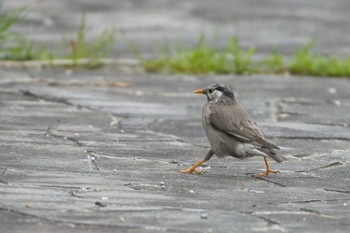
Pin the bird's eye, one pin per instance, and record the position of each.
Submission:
(210, 91)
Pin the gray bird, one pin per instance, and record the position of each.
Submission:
(231, 131)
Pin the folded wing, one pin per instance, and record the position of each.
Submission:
(236, 122)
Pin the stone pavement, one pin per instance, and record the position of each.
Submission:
(100, 150)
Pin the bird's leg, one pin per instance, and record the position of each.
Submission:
(268, 169)
(193, 168)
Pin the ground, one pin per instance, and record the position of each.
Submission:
(101, 150)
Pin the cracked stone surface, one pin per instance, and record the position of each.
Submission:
(99, 157)
(100, 151)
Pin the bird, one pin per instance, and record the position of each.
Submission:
(231, 131)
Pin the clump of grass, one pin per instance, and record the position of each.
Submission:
(7, 21)
(198, 59)
(241, 59)
(26, 50)
(308, 62)
(94, 50)
(273, 64)
(15, 45)
(202, 59)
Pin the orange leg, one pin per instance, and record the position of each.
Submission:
(193, 168)
(268, 169)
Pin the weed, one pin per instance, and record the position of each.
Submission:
(307, 62)
(241, 59)
(15, 45)
(199, 59)
(273, 64)
(95, 50)
(202, 59)
(7, 21)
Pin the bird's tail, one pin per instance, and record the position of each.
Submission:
(273, 154)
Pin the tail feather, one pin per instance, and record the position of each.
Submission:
(272, 154)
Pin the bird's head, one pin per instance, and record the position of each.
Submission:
(216, 91)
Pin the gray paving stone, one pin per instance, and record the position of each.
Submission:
(71, 161)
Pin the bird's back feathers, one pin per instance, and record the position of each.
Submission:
(235, 121)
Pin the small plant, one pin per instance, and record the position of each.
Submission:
(307, 62)
(241, 59)
(25, 50)
(15, 45)
(273, 64)
(202, 60)
(96, 50)
(199, 59)
(7, 21)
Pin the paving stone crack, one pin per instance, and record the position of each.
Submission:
(271, 182)
(114, 120)
(268, 221)
(30, 215)
(48, 98)
(334, 164)
(90, 155)
(93, 156)
(320, 200)
(326, 138)
(75, 223)
(148, 126)
(73, 194)
(338, 191)
(3, 172)
(300, 211)
(318, 213)
(334, 124)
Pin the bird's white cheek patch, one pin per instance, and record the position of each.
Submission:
(217, 94)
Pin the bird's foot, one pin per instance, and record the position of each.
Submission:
(264, 174)
(191, 170)
(268, 169)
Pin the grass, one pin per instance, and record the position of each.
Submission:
(95, 50)
(242, 60)
(308, 62)
(15, 46)
(198, 59)
(194, 60)
(203, 59)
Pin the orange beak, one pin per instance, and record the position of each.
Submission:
(199, 91)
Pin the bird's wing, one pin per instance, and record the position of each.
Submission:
(235, 121)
